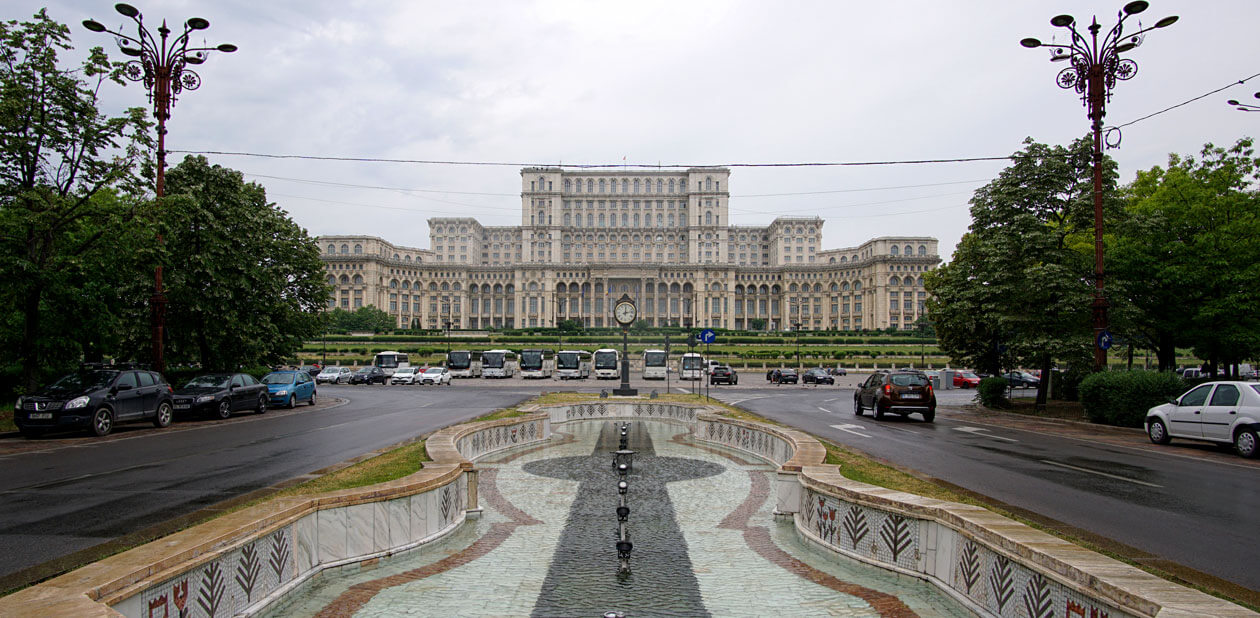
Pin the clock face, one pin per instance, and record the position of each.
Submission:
(624, 312)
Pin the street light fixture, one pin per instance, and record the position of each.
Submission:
(1245, 107)
(1094, 69)
(163, 67)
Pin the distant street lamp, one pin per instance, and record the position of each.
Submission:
(448, 338)
(797, 327)
(1245, 107)
(1093, 73)
(162, 66)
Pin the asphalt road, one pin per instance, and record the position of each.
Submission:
(1187, 503)
(69, 492)
(1194, 504)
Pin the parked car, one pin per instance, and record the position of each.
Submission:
(966, 379)
(1226, 412)
(839, 371)
(221, 394)
(405, 375)
(435, 375)
(1020, 379)
(368, 375)
(287, 388)
(95, 398)
(897, 392)
(817, 376)
(334, 375)
(723, 374)
(788, 376)
(311, 370)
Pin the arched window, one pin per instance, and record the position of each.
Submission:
(332, 248)
(332, 280)
(708, 183)
(922, 250)
(893, 250)
(857, 285)
(636, 185)
(894, 280)
(708, 218)
(566, 218)
(345, 249)
(671, 185)
(625, 185)
(345, 280)
(590, 185)
(659, 184)
(358, 279)
(566, 185)
(601, 185)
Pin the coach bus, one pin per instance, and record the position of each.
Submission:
(463, 364)
(607, 364)
(692, 366)
(654, 364)
(389, 362)
(573, 364)
(536, 363)
(498, 364)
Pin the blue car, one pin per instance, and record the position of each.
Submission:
(287, 388)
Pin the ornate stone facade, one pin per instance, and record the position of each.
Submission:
(664, 238)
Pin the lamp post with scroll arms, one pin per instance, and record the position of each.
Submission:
(1095, 67)
(1245, 107)
(162, 65)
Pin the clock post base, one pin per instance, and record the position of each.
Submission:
(626, 392)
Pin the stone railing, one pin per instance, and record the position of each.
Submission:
(994, 565)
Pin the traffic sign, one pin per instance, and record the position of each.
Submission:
(708, 336)
(1105, 340)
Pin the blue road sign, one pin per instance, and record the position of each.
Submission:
(708, 336)
(1105, 340)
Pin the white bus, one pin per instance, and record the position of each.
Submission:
(607, 364)
(654, 364)
(573, 364)
(390, 362)
(498, 364)
(536, 363)
(462, 364)
(693, 366)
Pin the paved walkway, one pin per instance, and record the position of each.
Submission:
(705, 543)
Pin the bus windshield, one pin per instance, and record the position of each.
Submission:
(692, 362)
(459, 360)
(654, 359)
(492, 360)
(531, 359)
(606, 360)
(385, 361)
(567, 360)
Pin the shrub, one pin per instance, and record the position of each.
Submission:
(1123, 397)
(992, 392)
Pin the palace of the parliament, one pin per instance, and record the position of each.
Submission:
(665, 238)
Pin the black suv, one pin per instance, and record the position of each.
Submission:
(369, 375)
(96, 398)
(899, 392)
(723, 374)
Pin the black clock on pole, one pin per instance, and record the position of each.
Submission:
(625, 312)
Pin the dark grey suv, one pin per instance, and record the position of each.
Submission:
(896, 392)
(96, 399)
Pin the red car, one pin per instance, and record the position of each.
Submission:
(966, 379)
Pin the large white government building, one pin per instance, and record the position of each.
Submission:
(665, 238)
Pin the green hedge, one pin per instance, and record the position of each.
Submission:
(992, 392)
(1123, 397)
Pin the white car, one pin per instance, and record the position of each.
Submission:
(405, 375)
(1226, 412)
(334, 375)
(435, 375)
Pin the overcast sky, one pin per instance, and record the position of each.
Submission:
(682, 82)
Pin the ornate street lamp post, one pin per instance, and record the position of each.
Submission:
(1095, 67)
(1245, 107)
(162, 66)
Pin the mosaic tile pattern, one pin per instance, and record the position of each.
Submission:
(761, 443)
(493, 439)
(1007, 589)
(878, 535)
(228, 585)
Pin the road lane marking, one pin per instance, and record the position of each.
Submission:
(1110, 476)
(825, 410)
(979, 431)
(849, 429)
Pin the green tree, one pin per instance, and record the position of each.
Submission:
(757, 324)
(1018, 288)
(1187, 256)
(68, 177)
(363, 319)
(245, 283)
(569, 326)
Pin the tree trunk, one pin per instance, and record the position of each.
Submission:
(1043, 385)
(1166, 352)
